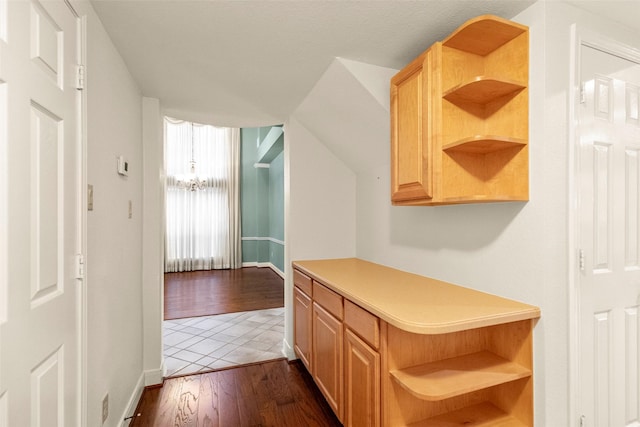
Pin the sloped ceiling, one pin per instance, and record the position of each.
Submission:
(348, 110)
(251, 63)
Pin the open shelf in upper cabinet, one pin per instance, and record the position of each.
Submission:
(482, 112)
(474, 117)
(484, 144)
(481, 90)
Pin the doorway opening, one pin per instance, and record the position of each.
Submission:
(224, 317)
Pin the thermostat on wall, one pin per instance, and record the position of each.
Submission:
(123, 166)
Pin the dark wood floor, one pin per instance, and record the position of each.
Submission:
(277, 393)
(204, 293)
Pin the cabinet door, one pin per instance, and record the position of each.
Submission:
(362, 383)
(302, 326)
(410, 152)
(327, 357)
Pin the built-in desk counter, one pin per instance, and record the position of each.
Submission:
(394, 348)
(411, 302)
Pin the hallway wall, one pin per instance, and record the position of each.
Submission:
(114, 241)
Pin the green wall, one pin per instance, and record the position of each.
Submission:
(262, 202)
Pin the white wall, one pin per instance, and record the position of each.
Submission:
(515, 250)
(153, 240)
(114, 241)
(320, 194)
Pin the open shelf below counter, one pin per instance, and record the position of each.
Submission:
(459, 375)
(481, 415)
(482, 144)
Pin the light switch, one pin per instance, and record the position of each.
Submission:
(123, 166)
(90, 197)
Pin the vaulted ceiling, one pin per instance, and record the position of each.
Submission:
(251, 63)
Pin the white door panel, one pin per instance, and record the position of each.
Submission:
(609, 209)
(40, 226)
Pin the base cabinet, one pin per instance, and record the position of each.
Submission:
(302, 313)
(481, 376)
(362, 382)
(327, 357)
(380, 370)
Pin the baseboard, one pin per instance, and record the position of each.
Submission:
(264, 265)
(133, 401)
(276, 270)
(288, 350)
(154, 376)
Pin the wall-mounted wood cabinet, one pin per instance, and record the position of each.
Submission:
(459, 118)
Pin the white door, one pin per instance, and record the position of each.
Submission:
(40, 218)
(609, 238)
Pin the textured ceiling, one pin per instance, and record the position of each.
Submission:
(251, 63)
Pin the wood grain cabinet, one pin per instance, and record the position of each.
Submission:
(434, 354)
(459, 118)
(327, 355)
(361, 367)
(411, 168)
(481, 376)
(302, 315)
(327, 347)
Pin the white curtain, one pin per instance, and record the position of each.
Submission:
(202, 225)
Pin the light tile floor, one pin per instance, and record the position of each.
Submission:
(197, 344)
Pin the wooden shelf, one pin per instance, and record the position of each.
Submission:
(459, 375)
(482, 144)
(484, 34)
(481, 415)
(483, 198)
(482, 90)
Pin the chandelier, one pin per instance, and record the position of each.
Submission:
(191, 181)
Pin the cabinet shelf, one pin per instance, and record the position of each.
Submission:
(482, 144)
(483, 35)
(482, 198)
(483, 414)
(460, 118)
(459, 375)
(482, 90)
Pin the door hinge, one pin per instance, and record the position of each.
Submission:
(79, 266)
(582, 96)
(80, 70)
(583, 421)
(581, 259)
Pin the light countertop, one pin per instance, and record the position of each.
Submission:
(411, 302)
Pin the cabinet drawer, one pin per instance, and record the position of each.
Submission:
(302, 281)
(331, 301)
(363, 323)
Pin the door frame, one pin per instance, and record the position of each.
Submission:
(83, 338)
(580, 37)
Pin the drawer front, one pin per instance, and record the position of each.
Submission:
(302, 281)
(363, 323)
(331, 301)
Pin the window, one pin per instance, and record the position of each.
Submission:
(202, 197)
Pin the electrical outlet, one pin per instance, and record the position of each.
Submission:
(105, 408)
